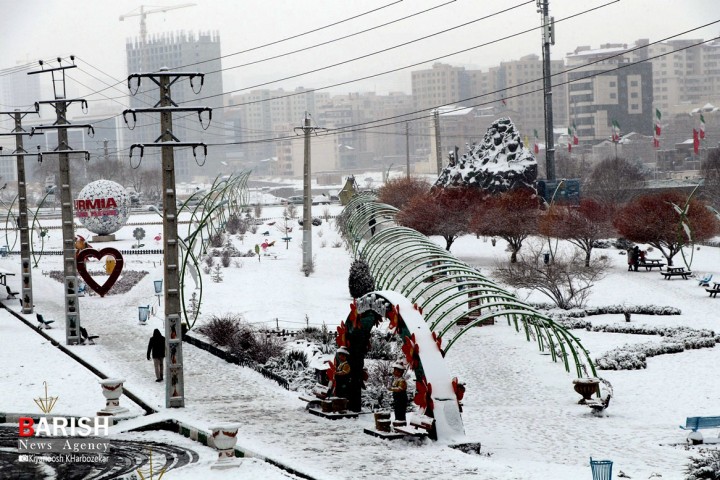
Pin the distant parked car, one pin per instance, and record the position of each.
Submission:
(316, 222)
(321, 200)
(296, 200)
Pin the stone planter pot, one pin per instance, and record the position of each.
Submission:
(225, 437)
(326, 406)
(112, 389)
(587, 387)
(380, 416)
(383, 425)
(339, 404)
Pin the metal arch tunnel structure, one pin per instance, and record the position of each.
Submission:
(450, 292)
(438, 395)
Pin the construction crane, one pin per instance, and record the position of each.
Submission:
(144, 13)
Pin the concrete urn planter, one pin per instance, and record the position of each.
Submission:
(587, 387)
(225, 437)
(112, 389)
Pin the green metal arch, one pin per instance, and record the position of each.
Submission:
(406, 258)
(448, 264)
(371, 247)
(469, 273)
(380, 253)
(392, 256)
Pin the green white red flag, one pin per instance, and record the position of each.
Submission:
(702, 127)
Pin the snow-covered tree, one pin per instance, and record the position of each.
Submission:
(499, 163)
(360, 280)
(444, 211)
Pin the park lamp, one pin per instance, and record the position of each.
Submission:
(143, 313)
(158, 289)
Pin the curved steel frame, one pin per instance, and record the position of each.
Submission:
(397, 252)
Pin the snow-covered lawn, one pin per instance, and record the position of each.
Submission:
(518, 404)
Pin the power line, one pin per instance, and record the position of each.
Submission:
(352, 128)
(365, 31)
(387, 49)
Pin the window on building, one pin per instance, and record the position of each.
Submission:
(613, 95)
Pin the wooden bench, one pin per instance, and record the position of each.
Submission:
(698, 423)
(713, 291)
(650, 266)
(42, 323)
(676, 273)
(87, 338)
(10, 293)
(418, 426)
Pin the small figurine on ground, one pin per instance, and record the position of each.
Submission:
(342, 374)
(399, 392)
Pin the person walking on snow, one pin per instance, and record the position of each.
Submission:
(156, 348)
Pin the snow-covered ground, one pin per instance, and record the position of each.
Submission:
(519, 405)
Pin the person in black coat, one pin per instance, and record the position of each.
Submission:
(156, 348)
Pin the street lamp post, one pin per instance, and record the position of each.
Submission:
(158, 289)
(143, 313)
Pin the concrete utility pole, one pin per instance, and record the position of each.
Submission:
(307, 196)
(22, 220)
(174, 378)
(438, 149)
(407, 148)
(63, 150)
(548, 38)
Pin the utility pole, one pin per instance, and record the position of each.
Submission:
(174, 378)
(438, 150)
(407, 148)
(548, 38)
(22, 220)
(63, 150)
(307, 196)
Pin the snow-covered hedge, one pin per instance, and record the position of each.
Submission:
(631, 357)
(637, 309)
(706, 466)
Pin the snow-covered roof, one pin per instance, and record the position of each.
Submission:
(454, 110)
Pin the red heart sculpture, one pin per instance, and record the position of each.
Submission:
(92, 253)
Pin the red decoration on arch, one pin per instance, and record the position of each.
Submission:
(412, 351)
(353, 316)
(341, 339)
(438, 342)
(83, 255)
(423, 395)
(394, 317)
(330, 370)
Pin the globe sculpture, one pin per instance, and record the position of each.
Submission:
(102, 207)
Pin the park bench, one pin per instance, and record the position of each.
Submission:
(705, 281)
(698, 423)
(42, 323)
(650, 266)
(713, 291)
(676, 273)
(10, 293)
(87, 338)
(418, 426)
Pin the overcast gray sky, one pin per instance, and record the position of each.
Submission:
(90, 29)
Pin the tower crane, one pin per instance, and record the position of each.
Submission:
(144, 13)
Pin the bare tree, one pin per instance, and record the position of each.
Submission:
(652, 219)
(614, 181)
(566, 280)
(398, 191)
(444, 211)
(512, 216)
(582, 225)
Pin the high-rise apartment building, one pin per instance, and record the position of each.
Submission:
(606, 88)
(181, 52)
(685, 75)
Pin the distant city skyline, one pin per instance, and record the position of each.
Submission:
(91, 30)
